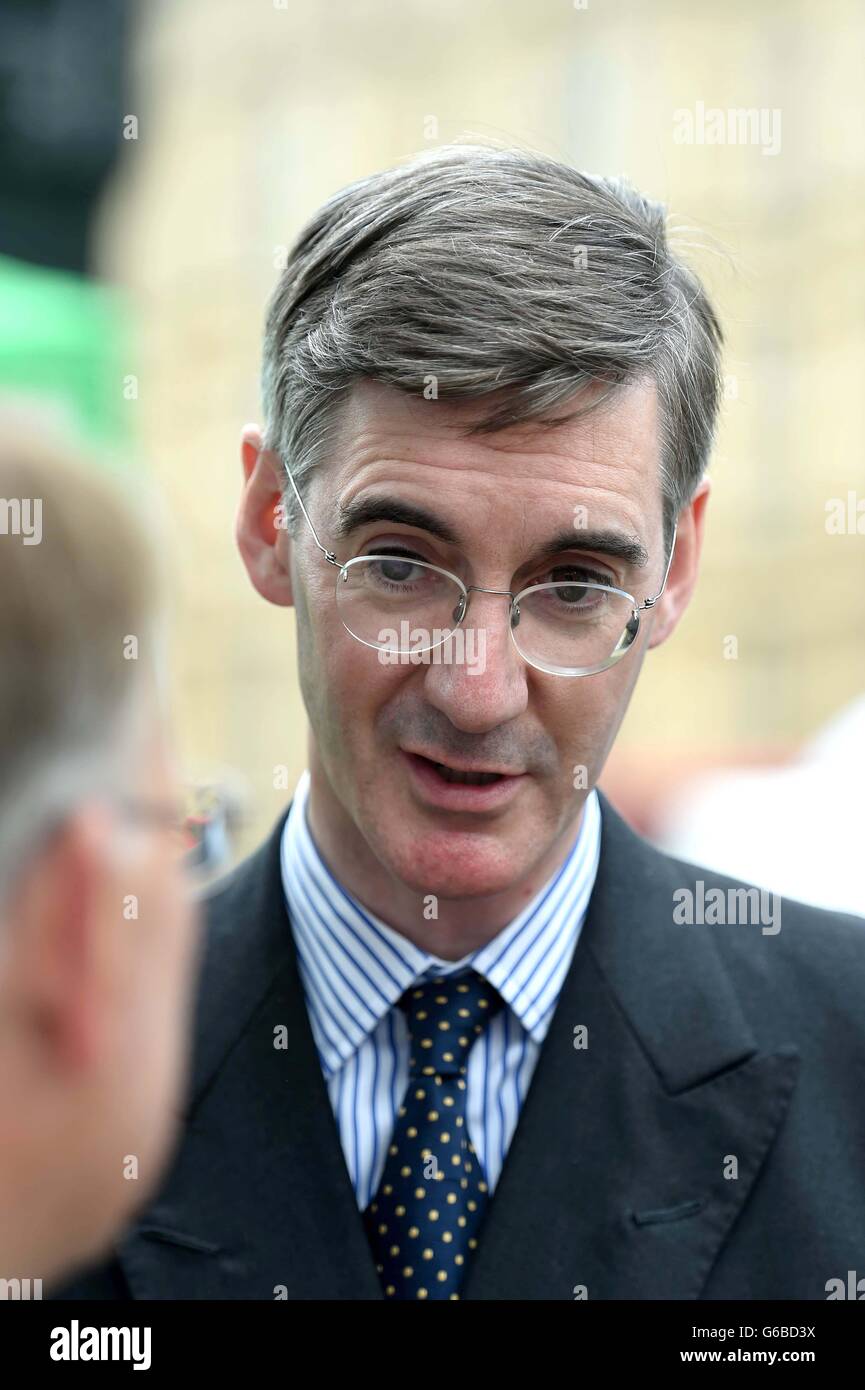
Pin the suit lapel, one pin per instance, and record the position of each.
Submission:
(615, 1180)
(259, 1203)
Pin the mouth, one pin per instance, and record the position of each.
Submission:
(456, 774)
(461, 788)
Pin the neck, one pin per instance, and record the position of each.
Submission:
(462, 925)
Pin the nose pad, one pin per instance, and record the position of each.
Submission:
(459, 612)
(515, 615)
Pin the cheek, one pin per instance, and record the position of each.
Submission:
(168, 921)
(343, 683)
(583, 717)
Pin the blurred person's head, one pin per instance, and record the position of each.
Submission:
(467, 358)
(97, 933)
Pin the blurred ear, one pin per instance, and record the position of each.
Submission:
(264, 544)
(684, 567)
(61, 952)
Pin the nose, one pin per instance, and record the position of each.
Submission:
(479, 681)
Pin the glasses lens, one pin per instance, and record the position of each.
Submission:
(397, 604)
(574, 629)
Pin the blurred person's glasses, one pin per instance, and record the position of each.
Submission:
(571, 627)
(196, 825)
(168, 816)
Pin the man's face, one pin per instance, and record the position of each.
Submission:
(378, 728)
(102, 941)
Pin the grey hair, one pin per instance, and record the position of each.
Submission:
(490, 270)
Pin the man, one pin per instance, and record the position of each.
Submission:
(97, 936)
(457, 1037)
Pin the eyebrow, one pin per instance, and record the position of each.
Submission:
(618, 545)
(369, 509)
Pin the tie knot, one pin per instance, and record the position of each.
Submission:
(445, 1017)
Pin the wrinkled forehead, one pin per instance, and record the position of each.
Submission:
(601, 468)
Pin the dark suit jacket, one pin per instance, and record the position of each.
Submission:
(706, 1044)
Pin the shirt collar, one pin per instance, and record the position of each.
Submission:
(355, 967)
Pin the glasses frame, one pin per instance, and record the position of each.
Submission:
(514, 616)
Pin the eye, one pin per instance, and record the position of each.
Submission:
(573, 599)
(397, 565)
(395, 573)
(580, 574)
(411, 547)
(397, 569)
(396, 552)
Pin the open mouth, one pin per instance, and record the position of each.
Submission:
(459, 789)
(457, 775)
(471, 779)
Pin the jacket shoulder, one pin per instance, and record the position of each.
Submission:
(777, 950)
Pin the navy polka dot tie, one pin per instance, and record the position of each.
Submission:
(424, 1221)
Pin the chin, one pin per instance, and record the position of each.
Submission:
(453, 864)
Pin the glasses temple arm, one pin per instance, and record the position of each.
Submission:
(328, 554)
(650, 602)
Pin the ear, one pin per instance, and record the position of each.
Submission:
(262, 539)
(683, 568)
(62, 923)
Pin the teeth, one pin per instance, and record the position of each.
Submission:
(475, 779)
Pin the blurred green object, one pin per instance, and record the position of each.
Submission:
(63, 345)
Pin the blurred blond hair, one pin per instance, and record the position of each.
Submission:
(79, 595)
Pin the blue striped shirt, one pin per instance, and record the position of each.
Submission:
(355, 968)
